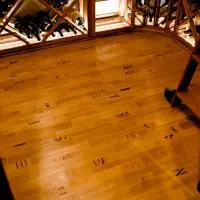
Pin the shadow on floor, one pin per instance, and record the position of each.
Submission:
(189, 115)
(5, 192)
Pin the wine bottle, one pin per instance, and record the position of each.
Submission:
(141, 7)
(68, 28)
(189, 31)
(139, 3)
(32, 26)
(54, 4)
(72, 29)
(193, 1)
(4, 7)
(21, 26)
(151, 9)
(27, 25)
(42, 19)
(74, 15)
(59, 30)
(57, 3)
(194, 5)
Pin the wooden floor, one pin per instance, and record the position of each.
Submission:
(88, 121)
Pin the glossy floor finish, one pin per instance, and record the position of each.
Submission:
(88, 121)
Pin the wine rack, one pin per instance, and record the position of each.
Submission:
(75, 20)
(187, 23)
(32, 23)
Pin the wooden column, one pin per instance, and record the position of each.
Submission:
(91, 18)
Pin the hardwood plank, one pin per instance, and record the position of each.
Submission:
(89, 121)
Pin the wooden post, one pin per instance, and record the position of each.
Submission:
(91, 18)
(191, 22)
(169, 14)
(177, 17)
(197, 47)
(146, 14)
(157, 13)
(133, 13)
(187, 74)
